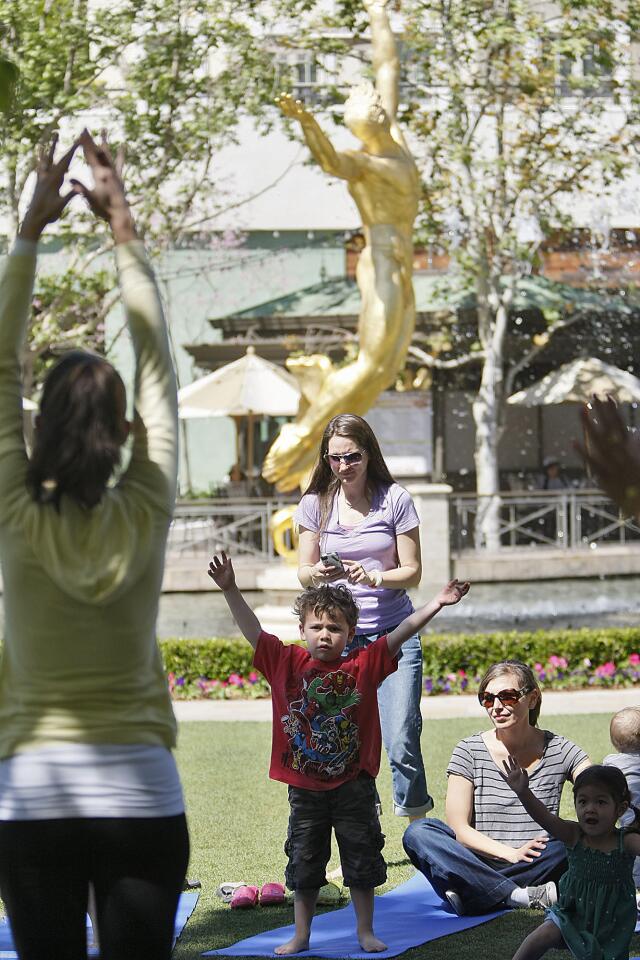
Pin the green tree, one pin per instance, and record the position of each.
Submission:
(515, 106)
(170, 79)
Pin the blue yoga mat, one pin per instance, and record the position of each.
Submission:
(186, 906)
(406, 917)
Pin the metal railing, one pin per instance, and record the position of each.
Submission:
(559, 519)
(239, 526)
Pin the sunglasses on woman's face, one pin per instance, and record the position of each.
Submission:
(508, 698)
(349, 459)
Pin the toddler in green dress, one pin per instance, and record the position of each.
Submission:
(595, 915)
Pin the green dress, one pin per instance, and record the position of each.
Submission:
(596, 909)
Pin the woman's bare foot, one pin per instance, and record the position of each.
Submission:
(369, 942)
(295, 945)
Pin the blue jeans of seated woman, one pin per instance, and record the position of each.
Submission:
(433, 849)
(401, 721)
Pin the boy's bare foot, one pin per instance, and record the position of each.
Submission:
(370, 943)
(294, 945)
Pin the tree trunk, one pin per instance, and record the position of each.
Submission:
(493, 314)
(485, 414)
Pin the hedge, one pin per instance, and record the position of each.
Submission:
(453, 663)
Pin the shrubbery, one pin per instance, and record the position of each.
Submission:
(453, 663)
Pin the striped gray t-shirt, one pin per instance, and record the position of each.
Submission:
(497, 811)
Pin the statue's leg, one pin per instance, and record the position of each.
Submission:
(384, 332)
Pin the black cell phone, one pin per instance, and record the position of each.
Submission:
(332, 560)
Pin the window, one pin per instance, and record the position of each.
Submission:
(299, 72)
(588, 75)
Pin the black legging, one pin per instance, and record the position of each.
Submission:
(137, 867)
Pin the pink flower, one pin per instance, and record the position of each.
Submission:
(253, 677)
(606, 669)
(538, 667)
(235, 680)
(558, 662)
(462, 673)
(634, 658)
(452, 677)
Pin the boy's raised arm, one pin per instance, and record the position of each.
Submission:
(454, 591)
(222, 574)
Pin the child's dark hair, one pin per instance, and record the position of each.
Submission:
(613, 782)
(327, 599)
(79, 436)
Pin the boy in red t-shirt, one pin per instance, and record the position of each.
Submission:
(326, 739)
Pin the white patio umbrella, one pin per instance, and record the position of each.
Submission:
(249, 387)
(577, 381)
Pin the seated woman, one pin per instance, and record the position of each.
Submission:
(492, 853)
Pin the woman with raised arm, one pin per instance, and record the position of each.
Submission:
(491, 852)
(354, 510)
(89, 791)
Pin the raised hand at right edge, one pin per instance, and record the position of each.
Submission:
(612, 452)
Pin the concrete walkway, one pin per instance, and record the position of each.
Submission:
(433, 708)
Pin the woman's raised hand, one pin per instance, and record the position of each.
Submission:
(47, 202)
(107, 199)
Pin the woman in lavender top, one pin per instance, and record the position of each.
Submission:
(353, 507)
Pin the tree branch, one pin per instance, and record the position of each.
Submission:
(434, 363)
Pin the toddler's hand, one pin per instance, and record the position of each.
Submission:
(516, 777)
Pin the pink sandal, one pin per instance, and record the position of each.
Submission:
(244, 898)
(272, 893)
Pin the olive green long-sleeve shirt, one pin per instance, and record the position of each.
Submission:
(80, 661)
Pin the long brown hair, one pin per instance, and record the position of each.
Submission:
(79, 432)
(526, 679)
(324, 482)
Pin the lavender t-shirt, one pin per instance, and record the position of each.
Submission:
(372, 542)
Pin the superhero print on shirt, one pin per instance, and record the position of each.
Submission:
(323, 739)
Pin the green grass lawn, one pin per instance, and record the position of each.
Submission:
(238, 819)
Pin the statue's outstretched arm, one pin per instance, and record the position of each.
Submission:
(343, 165)
(386, 63)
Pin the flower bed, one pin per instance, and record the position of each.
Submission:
(555, 674)
(235, 687)
(453, 663)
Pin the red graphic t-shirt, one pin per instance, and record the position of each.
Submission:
(326, 727)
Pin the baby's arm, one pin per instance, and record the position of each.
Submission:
(221, 572)
(518, 779)
(452, 593)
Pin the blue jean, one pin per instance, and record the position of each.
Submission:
(401, 721)
(433, 849)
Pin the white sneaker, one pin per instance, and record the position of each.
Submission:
(455, 902)
(542, 897)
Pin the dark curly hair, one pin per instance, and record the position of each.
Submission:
(79, 432)
(327, 599)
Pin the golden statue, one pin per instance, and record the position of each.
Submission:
(383, 179)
